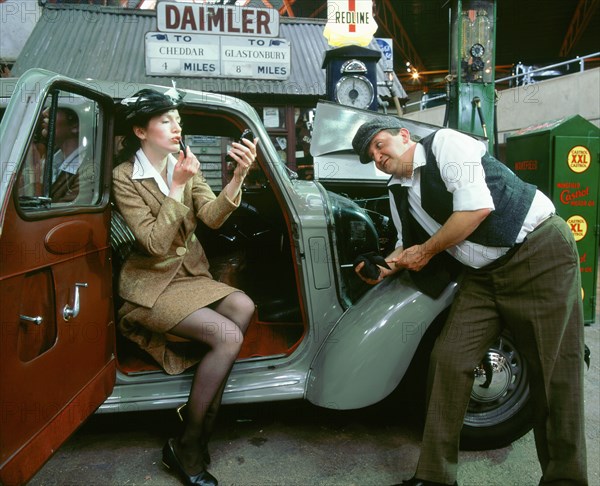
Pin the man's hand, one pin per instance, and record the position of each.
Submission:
(413, 258)
(372, 268)
(370, 281)
(43, 123)
(456, 229)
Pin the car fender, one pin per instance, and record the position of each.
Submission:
(370, 348)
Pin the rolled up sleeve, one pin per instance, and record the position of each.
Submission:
(459, 158)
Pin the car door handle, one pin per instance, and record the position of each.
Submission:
(37, 320)
(70, 312)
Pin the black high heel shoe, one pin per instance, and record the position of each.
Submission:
(182, 414)
(171, 462)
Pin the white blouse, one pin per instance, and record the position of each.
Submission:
(143, 169)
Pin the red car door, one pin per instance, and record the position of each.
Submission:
(57, 362)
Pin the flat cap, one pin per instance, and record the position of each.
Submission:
(366, 132)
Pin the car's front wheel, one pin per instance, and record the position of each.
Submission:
(499, 411)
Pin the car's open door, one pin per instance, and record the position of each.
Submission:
(57, 361)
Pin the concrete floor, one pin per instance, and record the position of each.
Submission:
(295, 443)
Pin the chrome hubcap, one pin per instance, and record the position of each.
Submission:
(493, 377)
(500, 386)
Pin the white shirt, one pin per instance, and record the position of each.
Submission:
(143, 169)
(459, 160)
(72, 163)
(57, 161)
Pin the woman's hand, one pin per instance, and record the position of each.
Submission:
(187, 166)
(244, 155)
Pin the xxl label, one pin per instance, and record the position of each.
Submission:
(579, 226)
(579, 159)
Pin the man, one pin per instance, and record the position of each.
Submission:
(448, 196)
(68, 158)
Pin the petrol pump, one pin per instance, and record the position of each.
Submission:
(470, 83)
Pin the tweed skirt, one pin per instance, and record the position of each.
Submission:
(146, 326)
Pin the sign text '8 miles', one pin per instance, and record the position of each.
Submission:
(217, 56)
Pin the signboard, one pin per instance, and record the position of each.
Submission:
(387, 50)
(182, 55)
(255, 58)
(194, 18)
(195, 55)
(350, 22)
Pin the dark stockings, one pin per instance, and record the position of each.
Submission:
(209, 422)
(222, 328)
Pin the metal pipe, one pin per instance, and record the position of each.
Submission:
(581, 60)
(477, 102)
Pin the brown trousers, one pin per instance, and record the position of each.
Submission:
(536, 294)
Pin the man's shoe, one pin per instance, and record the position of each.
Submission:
(422, 482)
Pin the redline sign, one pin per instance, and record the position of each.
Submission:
(351, 17)
(349, 22)
(350, 14)
(192, 18)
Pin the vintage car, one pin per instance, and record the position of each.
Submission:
(319, 332)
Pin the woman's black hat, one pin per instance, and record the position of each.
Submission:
(147, 103)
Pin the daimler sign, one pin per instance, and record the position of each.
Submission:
(217, 41)
(192, 18)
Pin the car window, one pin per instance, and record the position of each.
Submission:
(62, 162)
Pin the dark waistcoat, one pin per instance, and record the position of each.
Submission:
(512, 198)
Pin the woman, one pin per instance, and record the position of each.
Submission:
(165, 281)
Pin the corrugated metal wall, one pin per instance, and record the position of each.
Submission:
(108, 43)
